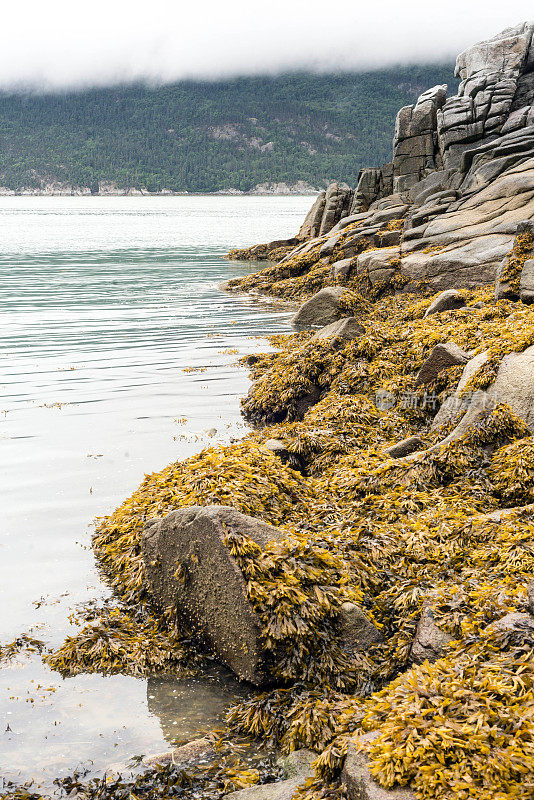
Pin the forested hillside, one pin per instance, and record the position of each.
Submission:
(207, 137)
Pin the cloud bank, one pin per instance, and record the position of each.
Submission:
(61, 44)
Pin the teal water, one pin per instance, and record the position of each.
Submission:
(104, 302)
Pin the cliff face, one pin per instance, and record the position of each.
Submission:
(461, 179)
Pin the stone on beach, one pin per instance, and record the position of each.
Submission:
(357, 780)
(448, 300)
(189, 566)
(442, 356)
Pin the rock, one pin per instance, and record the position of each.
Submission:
(446, 301)
(337, 204)
(379, 266)
(199, 751)
(442, 356)
(503, 289)
(298, 768)
(188, 565)
(357, 780)
(356, 631)
(312, 224)
(514, 622)
(341, 269)
(346, 329)
(405, 447)
(526, 284)
(321, 309)
(530, 596)
(430, 642)
(328, 247)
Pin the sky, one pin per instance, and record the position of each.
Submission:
(65, 44)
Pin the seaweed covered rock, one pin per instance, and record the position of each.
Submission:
(189, 566)
(345, 329)
(323, 308)
(488, 380)
(510, 283)
(358, 781)
(297, 767)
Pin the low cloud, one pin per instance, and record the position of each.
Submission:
(64, 45)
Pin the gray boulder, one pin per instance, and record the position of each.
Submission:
(345, 329)
(189, 566)
(298, 767)
(442, 356)
(321, 309)
(430, 642)
(448, 300)
(356, 631)
(405, 447)
(357, 780)
(526, 284)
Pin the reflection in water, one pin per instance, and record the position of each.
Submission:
(188, 709)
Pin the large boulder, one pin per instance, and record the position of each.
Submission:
(526, 283)
(321, 309)
(189, 567)
(357, 780)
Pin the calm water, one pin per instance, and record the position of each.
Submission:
(103, 303)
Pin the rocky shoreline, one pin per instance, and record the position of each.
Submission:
(364, 556)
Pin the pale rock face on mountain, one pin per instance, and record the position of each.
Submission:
(462, 172)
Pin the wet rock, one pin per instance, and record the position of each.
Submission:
(199, 751)
(430, 642)
(526, 284)
(357, 780)
(448, 300)
(189, 566)
(405, 447)
(356, 631)
(347, 329)
(442, 356)
(298, 769)
(321, 309)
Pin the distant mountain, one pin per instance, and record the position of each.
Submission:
(208, 136)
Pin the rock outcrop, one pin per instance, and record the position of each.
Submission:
(461, 177)
(190, 567)
(298, 768)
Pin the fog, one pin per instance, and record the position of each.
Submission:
(59, 44)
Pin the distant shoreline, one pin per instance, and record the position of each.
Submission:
(299, 190)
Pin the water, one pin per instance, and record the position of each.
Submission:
(103, 304)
